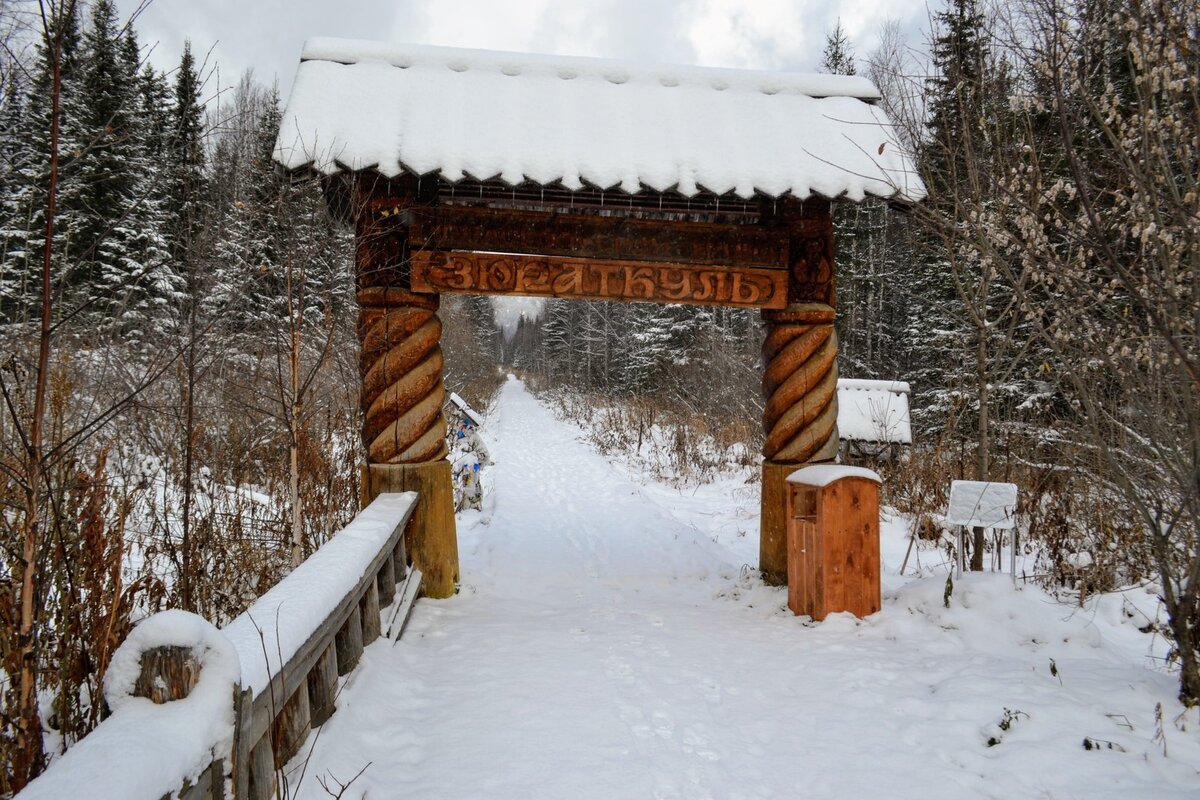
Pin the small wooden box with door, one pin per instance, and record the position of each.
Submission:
(833, 541)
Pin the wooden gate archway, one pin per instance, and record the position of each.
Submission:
(600, 180)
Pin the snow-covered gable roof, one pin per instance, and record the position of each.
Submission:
(556, 120)
(873, 411)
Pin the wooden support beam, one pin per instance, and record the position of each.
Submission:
(385, 582)
(591, 236)
(772, 539)
(349, 641)
(168, 673)
(262, 783)
(291, 727)
(431, 541)
(560, 276)
(322, 687)
(369, 606)
(399, 558)
(799, 417)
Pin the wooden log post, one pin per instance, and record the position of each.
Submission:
(291, 726)
(322, 687)
(349, 641)
(800, 377)
(262, 781)
(385, 581)
(168, 673)
(369, 612)
(400, 560)
(404, 430)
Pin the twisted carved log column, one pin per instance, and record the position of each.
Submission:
(800, 418)
(401, 367)
(404, 430)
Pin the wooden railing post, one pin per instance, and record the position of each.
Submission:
(291, 726)
(386, 582)
(262, 783)
(400, 559)
(369, 612)
(322, 686)
(349, 641)
(168, 673)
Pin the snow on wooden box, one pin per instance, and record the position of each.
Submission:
(833, 541)
(554, 120)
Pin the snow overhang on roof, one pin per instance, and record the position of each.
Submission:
(873, 411)
(576, 122)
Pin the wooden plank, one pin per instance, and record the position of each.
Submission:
(404, 608)
(262, 771)
(322, 687)
(242, 744)
(834, 504)
(369, 614)
(460, 272)
(208, 786)
(291, 727)
(400, 559)
(431, 539)
(592, 236)
(350, 641)
(772, 542)
(385, 581)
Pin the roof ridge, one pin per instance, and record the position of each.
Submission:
(403, 56)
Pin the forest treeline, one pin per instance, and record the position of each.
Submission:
(178, 375)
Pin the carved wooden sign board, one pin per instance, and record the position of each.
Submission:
(557, 276)
(477, 251)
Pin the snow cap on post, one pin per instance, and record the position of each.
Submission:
(573, 122)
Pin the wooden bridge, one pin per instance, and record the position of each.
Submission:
(198, 712)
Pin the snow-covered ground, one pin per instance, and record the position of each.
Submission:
(607, 644)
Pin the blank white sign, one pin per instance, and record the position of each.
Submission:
(982, 504)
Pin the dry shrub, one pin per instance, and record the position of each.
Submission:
(670, 440)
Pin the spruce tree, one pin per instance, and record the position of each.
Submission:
(25, 201)
(838, 58)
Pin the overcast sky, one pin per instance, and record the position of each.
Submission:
(266, 35)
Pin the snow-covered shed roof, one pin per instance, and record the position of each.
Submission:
(570, 121)
(873, 411)
(465, 408)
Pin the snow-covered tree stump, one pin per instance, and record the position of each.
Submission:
(800, 416)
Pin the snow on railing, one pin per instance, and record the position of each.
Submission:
(202, 713)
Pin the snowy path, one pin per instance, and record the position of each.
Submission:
(601, 649)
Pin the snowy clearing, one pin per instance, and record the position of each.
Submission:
(604, 645)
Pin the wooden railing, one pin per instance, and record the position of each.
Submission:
(292, 645)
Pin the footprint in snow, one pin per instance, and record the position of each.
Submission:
(695, 741)
(664, 726)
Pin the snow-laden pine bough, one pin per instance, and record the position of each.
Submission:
(200, 713)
